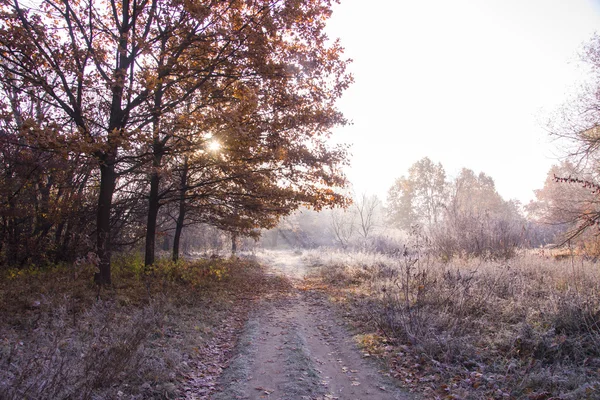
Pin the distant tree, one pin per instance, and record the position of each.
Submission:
(343, 226)
(367, 209)
(474, 195)
(304, 228)
(419, 198)
(400, 204)
(477, 220)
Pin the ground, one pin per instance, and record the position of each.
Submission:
(295, 347)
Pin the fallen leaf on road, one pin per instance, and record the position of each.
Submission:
(265, 391)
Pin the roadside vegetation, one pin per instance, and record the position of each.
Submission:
(164, 333)
(469, 328)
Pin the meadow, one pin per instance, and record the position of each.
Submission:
(469, 328)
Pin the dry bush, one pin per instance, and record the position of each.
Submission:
(62, 338)
(481, 237)
(479, 328)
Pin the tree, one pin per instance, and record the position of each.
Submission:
(477, 221)
(420, 197)
(367, 208)
(474, 195)
(464, 217)
(570, 207)
(86, 57)
(273, 88)
(343, 225)
(120, 74)
(577, 126)
(43, 193)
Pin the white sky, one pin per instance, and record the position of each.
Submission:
(464, 82)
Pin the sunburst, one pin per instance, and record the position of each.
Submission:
(214, 145)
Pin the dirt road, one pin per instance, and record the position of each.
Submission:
(294, 347)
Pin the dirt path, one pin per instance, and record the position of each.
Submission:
(293, 347)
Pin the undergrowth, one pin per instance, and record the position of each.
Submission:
(61, 337)
(526, 328)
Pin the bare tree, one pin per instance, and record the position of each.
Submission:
(366, 211)
(343, 225)
(572, 194)
(569, 202)
(477, 220)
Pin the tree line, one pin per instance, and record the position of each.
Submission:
(121, 119)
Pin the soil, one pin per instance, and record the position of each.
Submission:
(294, 346)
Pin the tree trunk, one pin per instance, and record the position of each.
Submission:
(108, 178)
(233, 243)
(166, 243)
(42, 224)
(66, 252)
(108, 158)
(14, 235)
(178, 230)
(181, 216)
(3, 232)
(158, 151)
(153, 206)
(58, 256)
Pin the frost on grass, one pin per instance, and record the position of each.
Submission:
(235, 377)
(300, 365)
(471, 328)
(65, 358)
(159, 336)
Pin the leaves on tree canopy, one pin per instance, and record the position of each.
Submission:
(134, 87)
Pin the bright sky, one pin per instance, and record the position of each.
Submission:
(464, 82)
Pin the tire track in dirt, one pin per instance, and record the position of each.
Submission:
(293, 347)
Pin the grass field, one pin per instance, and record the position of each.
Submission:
(154, 334)
(526, 328)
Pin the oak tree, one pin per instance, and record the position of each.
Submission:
(122, 74)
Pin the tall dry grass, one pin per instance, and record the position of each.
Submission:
(528, 327)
